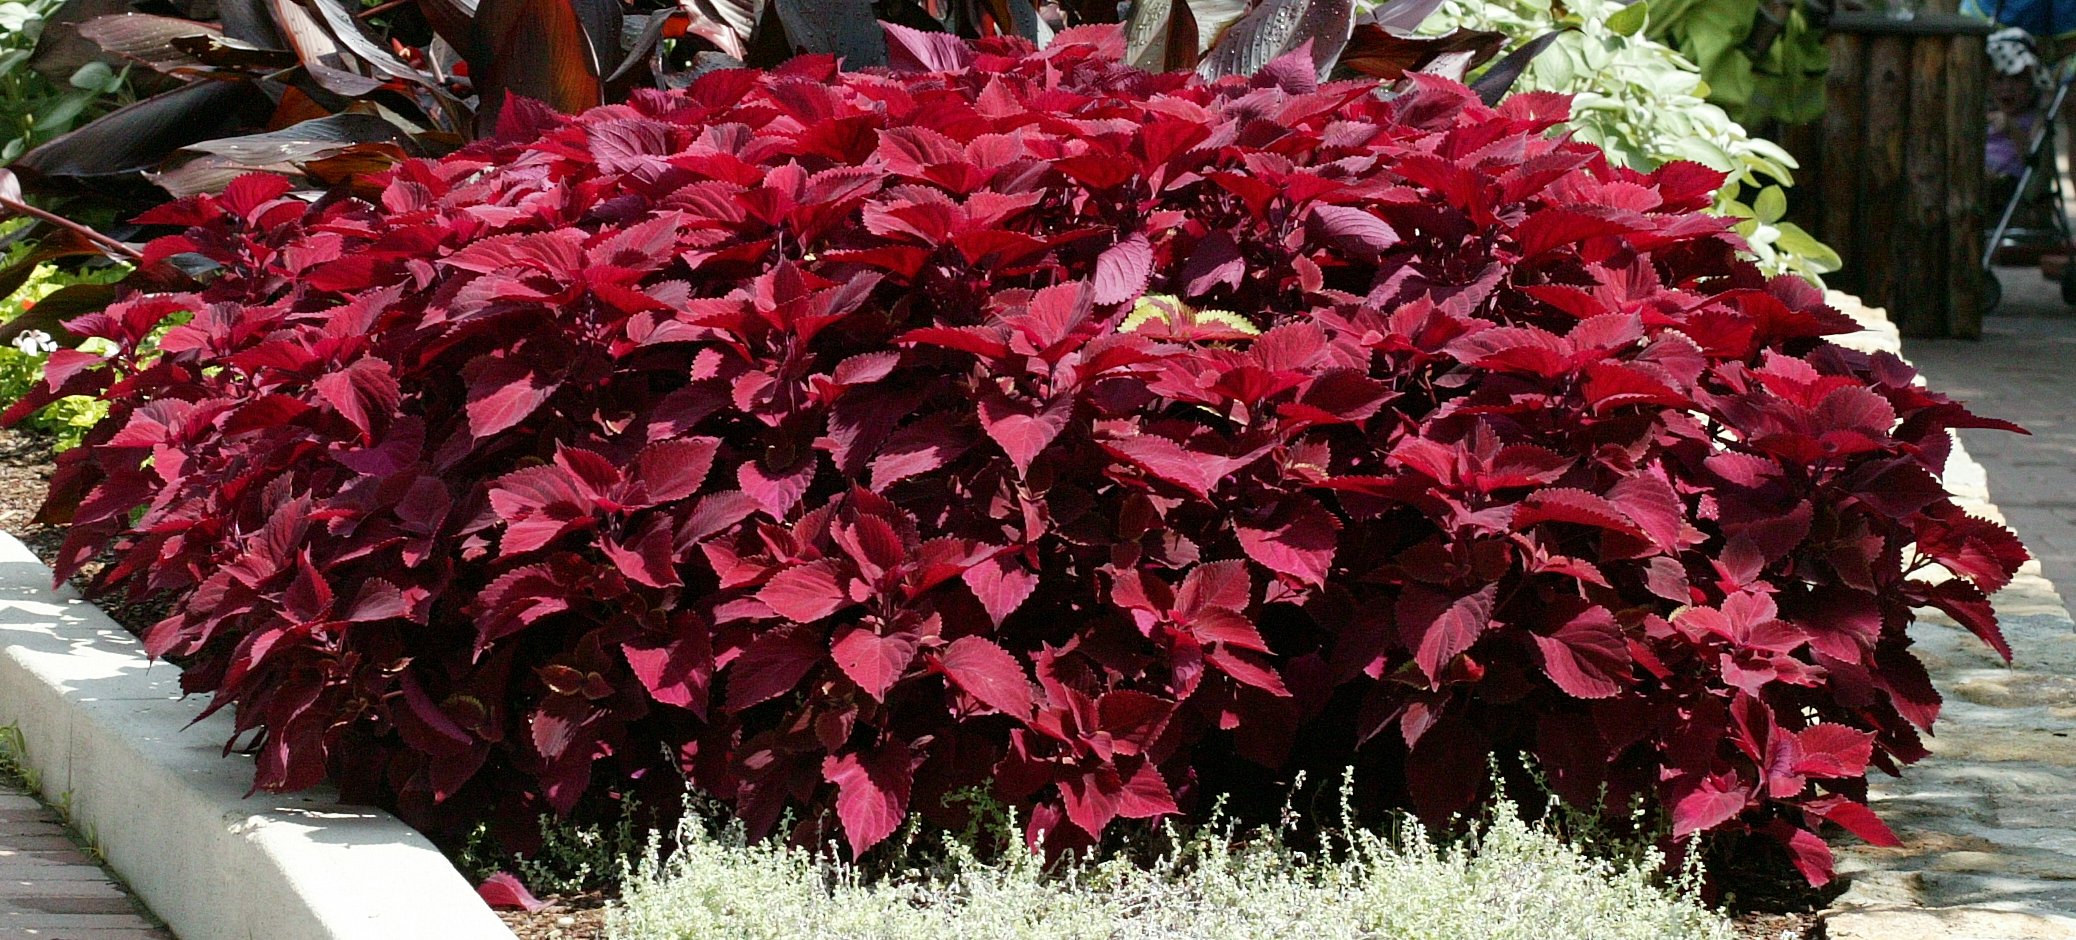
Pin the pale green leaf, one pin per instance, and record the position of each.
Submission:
(1772, 205)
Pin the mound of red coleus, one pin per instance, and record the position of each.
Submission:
(843, 441)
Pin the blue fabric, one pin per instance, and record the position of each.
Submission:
(2055, 18)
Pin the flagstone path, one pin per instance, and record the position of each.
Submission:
(1989, 820)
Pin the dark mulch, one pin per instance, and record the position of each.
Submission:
(1798, 926)
(25, 467)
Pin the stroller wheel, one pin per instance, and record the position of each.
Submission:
(2069, 285)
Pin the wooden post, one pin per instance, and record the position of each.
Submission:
(1884, 191)
(1921, 251)
(1967, 218)
(1845, 98)
(1900, 167)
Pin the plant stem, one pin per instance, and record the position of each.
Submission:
(106, 244)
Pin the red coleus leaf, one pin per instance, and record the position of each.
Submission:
(1132, 719)
(1002, 585)
(988, 673)
(1857, 819)
(1806, 850)
(806, 593)
(772, 666)
(1438, 626)
(871, 793)
(1587, 656)
(1354, 230)
(1714, 800)
(668, 471)
(1023, 429)
(1297, 539)
(1145, 794)
(504, 392)
(1968, 606)
(677, 672)
(872, 660)
(1574, 506)
(1831, 750)
(1123, 269)
(504, 890)
(361, 392)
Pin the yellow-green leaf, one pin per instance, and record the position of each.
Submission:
(1629, 20)
(1771, 205)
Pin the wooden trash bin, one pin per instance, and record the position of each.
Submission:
(1892, 177)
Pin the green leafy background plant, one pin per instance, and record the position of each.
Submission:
(1785, 82)
(33, 108)
(66, 420)
(1646, 104)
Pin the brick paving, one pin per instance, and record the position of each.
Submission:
(51, 890)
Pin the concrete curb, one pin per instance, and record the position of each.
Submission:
(109, 736)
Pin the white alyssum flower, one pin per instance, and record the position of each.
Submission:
(35, 342)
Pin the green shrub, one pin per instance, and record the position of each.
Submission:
(572, 858)
(1514, 880)
(21, 361)
(32, 107)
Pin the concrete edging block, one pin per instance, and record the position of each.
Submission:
(109, 736)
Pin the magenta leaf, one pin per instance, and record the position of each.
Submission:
(871, 793)
(1002, 585)
(771, 667)
(1710, 804)
(1437, 626)
(504, 890)
(805, 593)
(873, 661)
(1123, 269)
(1298, 539)
(1587, 656)
(988, 673)
(502, 393)
(1022, 429)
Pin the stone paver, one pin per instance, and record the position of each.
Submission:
(50, 890)
(1988, 821)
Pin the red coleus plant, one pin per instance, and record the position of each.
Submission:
(844, 440)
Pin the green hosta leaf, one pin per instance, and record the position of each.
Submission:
(64, 111)
(1771, 205)
(1817, 256)
(1629, 20)
(93, 76)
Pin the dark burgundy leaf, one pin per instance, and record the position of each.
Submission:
(1274, 28)
(772, 666)
(1500, 78)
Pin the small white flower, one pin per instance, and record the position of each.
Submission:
(35, 342)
